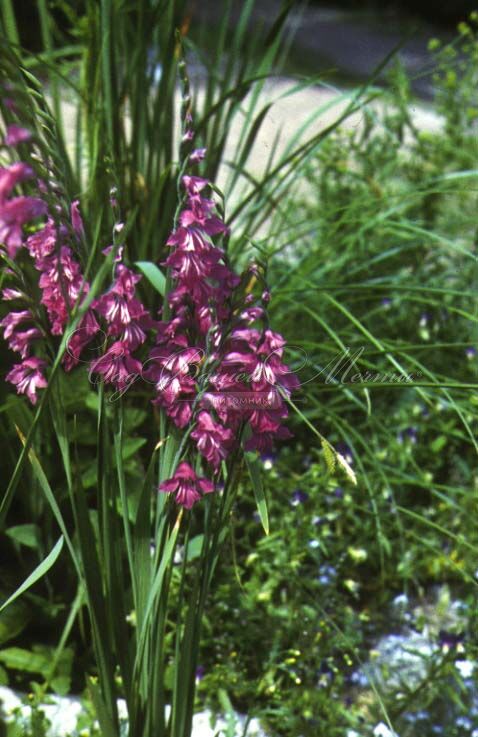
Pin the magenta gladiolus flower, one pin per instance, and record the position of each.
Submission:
(119, 311)
(62, 284)
(125, 315)
(28, 377)
(260, 356)
(117, 366)
(16, 134)
(170, 367)
(14, 214)
(119, 253)
(42, 243)
(199, 215)
(76, 220)
(194, 185)
(252, 314)
(213, 440)
(80, 338)
(188, 136)
(12, 320)
(10, 294)
(13, 175)
(197, 155)
(126, 281)
(17, 211)
(266, 426)
(188, 238)
(187, 486)
(190, 267)
(20, 342)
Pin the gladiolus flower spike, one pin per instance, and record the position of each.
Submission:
(213, 365)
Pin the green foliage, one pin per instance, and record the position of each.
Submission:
(382, 282)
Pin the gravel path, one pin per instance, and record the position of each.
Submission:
(315, 107)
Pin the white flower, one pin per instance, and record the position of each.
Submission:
(62, 713)
(400, 601)
(465, 668)
(8, 701)
(381, 730)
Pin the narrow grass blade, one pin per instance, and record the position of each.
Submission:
(10, 22)
(253, 466)
(37, 574)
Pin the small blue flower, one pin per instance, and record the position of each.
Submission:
(464, 722)
(345, 451)
(326, 574)
(422, 715)
(410, 433)
(268, 459)
(357, 678)
(448, 640)
(298, 497)
(470, 353)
